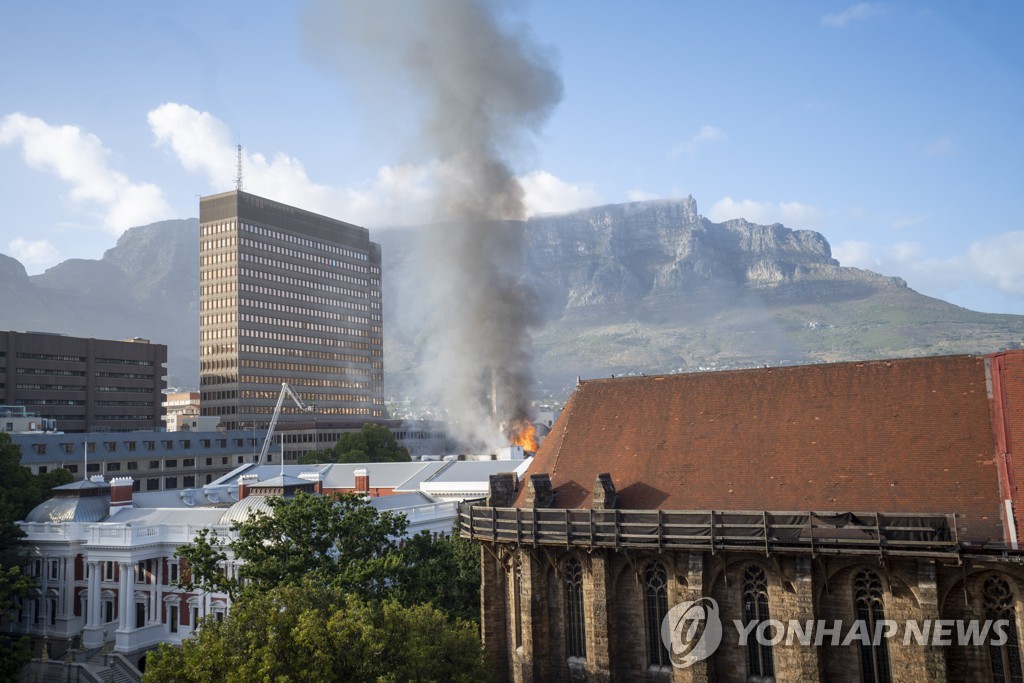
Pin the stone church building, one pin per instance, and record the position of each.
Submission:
(840, 522)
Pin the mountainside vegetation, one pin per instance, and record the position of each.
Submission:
(649, 287)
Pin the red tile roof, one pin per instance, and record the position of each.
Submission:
(908, 435)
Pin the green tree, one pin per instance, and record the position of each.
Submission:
(20, 491)
(372, 443)
(312, 632)
(342, 541)
(443, 572)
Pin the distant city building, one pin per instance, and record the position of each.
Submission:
(17, 419)
(286, 295)
(158, 461)
(179, 408)
(84, 384)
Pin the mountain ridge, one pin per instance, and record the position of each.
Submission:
(648, 286)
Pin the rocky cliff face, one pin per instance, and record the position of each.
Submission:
(648, 286)
(647, 253)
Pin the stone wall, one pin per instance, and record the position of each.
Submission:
(799, 588)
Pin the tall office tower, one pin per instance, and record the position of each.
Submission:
(286, 295)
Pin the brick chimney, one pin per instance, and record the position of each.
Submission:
(120, 494)
(244, 482)
(362, 481)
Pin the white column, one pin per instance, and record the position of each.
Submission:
(129, 596)
(69, 584)
(94, 593)
(158, 591)
(122, 596)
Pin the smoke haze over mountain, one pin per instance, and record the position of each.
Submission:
(478, 87)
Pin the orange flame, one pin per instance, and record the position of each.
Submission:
(523, 433)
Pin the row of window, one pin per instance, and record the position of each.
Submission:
(308, 312)
(303, 339)
(305, 395)
(304, 367)
(218, 288)
(123, 361)
(207, 274)
(48, 356)
(869, 604)
(216, 228)
(81, 387)
(316, 327)
(307, 382)
(305, 242)
(127, 390)
(305, 284)
(148, 445)
(299, 296)
(52, 373)
(217, 303)
(268, 410)
(315, 272)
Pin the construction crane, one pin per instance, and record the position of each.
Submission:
(285, 391)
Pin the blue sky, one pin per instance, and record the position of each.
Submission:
(895, 129)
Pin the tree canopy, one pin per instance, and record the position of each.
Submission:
(343, 541)
(372, 443)
(20, 491)
(312, 632)
(325, 592)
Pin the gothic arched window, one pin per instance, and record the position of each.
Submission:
(575, 628)
(760, 665)
(868, 598)
(999, 604)
(655, 609)
(517, 600)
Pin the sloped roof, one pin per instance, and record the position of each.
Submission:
(473, 470)
(71, 509)
(909, 435)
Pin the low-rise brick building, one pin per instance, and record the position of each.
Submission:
(821, 497)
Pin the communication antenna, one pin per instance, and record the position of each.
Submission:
(238, 169)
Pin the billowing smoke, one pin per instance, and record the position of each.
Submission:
(480, 88)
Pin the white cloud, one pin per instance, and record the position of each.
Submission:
(854, 253)
(80, 159)
(705, 134)
(546, 193)
(400, 194)
(994, 264)
(35, 254)
(202, 144)
(790, 214)
(851, 14)
(999, 260)
(640, 196)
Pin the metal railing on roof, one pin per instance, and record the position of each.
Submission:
(812, 533)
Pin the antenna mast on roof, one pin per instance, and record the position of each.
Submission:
(238, 169)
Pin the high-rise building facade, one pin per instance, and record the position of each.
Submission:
(84, 384)
(286, 295)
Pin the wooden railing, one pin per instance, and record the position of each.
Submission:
(802, 532)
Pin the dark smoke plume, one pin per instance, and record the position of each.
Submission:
(480, 88)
